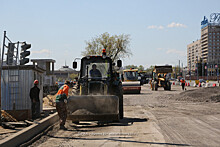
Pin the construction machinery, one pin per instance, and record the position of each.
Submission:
(142, 77)
(130, 81)
(100, 96)
(160, 77)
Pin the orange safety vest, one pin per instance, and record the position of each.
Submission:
(62, 93)
(182, 81)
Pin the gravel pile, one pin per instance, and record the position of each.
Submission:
(208, 94)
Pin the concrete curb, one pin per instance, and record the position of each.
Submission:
(29, 132)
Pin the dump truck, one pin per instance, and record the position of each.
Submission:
(130, 81)
(160, 77)
(100, 95)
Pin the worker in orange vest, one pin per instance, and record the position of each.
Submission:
(183, 83)
(61, 100)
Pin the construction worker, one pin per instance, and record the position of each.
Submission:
(61, 100)
(94, 72)
(183, 83)
(35, 101)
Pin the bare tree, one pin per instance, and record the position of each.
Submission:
(117, 46)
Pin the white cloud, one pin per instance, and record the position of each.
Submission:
(172, 25)
(160, 49)
(155, 27)
(152, 27)
(176, 25)
(160, 27)
(174, 51)
(41, 51)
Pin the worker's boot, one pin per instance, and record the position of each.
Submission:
(63, 128)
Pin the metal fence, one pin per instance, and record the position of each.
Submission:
(25, 82)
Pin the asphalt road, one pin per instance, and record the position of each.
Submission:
(151, 119)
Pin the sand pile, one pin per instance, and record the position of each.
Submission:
(208, 94)
(49, 100)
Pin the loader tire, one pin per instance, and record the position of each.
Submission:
(121, 108)
(169, 86)
(119, 93)
(155, 86)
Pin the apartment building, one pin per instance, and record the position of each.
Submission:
(207, 49)
(193, 54)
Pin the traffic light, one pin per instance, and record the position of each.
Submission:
(10, 53)
(24, 53)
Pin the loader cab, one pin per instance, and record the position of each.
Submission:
(96, 68)
(96, 74)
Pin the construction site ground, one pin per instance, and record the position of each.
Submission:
(152, 118)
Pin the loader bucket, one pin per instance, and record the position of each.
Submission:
(93, 107)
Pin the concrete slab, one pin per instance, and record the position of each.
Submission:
(29, 132)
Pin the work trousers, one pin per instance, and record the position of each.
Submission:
(35, 107)
(183, 86)
(62, 112)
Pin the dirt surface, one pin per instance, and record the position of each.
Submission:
(152, 118)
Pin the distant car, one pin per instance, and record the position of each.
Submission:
(202, 81)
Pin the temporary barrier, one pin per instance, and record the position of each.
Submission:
(207, 85)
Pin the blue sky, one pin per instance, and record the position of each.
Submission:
(159, 29)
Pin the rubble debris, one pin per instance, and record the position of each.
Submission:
(7, 117)
(6, 125)
(206, 94)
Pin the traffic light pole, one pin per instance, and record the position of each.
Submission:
(1, 64)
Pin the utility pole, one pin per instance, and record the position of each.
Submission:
(207, 71)
(218, 74)
(179, 67)
(1, 64)
(202, 68)
(197, 68)
(190, 70)
(216, 66)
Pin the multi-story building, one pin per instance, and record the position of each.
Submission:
(48, 65)
(210, 43)
(206, 50)
(193, 54)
